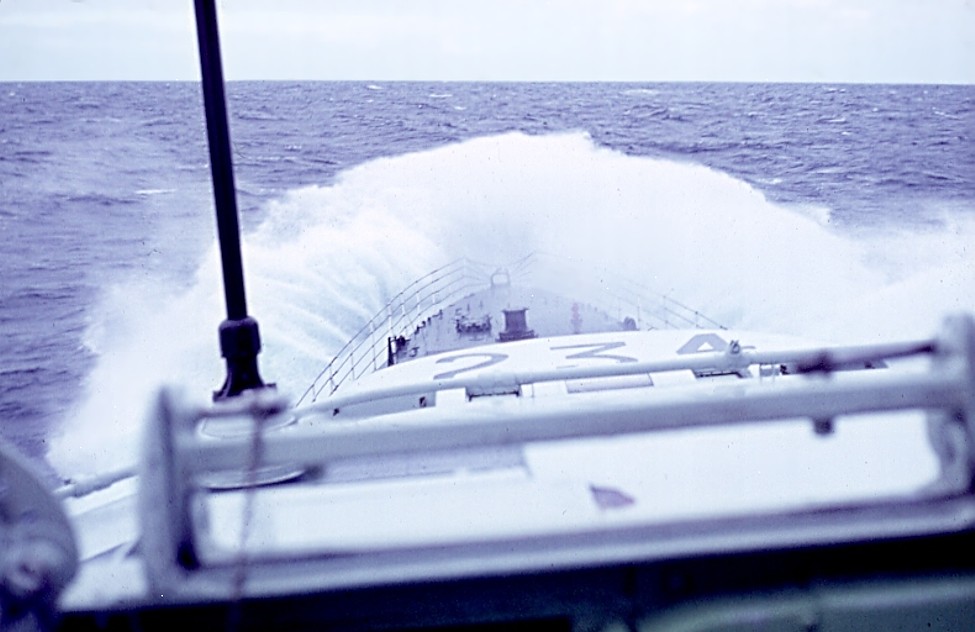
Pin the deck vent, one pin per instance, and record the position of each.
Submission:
(515, 326)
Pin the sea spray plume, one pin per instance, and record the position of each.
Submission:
(927, 274)
(705, 238)
(144, 335)
(318, 281)
(327, 258)
(315, 276)
(710, 240)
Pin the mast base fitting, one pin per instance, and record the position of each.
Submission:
(240, 342)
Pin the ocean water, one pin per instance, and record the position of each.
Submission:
(832, 212)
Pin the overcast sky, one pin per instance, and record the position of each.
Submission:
(878, 41)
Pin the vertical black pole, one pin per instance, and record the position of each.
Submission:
(240, 341)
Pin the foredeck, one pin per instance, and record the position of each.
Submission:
(462, 304)
(479, 318)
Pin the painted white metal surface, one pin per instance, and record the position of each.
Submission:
(651, 478)
(573, 442)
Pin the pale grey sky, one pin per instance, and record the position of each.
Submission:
(881, 41)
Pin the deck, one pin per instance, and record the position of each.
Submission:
(501, 313)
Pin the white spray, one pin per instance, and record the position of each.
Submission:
(327, 258)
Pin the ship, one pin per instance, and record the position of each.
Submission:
(533, 444)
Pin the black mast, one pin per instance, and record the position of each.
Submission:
(240, 341)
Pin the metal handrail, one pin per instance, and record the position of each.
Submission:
(733, 358)
(650, 309)
(945, 385)
(400, 316)
(424, 297)
(943, 390)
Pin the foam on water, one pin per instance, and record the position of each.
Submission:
(327, 258)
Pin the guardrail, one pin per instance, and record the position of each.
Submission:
(176, 553)
(615, 292)
(367, 350)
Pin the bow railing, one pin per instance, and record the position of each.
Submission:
(613, 292)
(367, 350)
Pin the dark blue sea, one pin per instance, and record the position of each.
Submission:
(827, 211)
